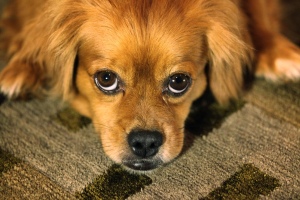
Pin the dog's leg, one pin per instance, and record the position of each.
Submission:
(18, 79)
(277, 57)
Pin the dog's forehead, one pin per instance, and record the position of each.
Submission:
(153, 28)
(157, 51)
(145, 41)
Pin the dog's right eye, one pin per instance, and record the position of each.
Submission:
(178, 84)
(107, 81)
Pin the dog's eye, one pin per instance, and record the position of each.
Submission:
(107, 81)
(178, 84)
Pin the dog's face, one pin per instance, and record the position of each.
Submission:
(141, 65)
(139, 89)
(139, 106)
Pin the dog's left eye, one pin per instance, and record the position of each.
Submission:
(107, 81)
(178, 84)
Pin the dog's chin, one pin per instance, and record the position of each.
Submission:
(142, 165)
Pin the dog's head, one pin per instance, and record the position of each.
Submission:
(140, 65)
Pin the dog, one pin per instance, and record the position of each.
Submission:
(135, 67)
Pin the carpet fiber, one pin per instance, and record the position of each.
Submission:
(249, 150)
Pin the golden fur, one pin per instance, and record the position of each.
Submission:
(56, 47)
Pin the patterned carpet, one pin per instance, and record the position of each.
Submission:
(249, 150)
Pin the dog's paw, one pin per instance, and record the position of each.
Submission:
(18, 80)
(279, 62)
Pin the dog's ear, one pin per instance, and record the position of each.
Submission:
(229, 53)
(64, 42)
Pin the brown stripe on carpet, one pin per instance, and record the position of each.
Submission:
(2, 98)
(248, 183)
(279, 100)
(24, 182)
(116, 183)
(7, 161)
(69, 118)
(206, 114)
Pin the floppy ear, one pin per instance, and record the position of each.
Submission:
(229, 53)
(64, 41)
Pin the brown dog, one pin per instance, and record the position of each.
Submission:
(135, 67)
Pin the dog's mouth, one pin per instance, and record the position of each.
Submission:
(142, 164)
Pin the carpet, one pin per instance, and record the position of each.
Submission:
(249, 150)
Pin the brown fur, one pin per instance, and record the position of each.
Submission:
(144, 42)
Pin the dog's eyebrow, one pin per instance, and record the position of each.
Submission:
(100, 62)
(179, 59)
(181, 62)
(95, 58)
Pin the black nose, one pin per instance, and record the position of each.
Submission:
(145, 143)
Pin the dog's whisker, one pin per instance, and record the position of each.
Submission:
(100, 124)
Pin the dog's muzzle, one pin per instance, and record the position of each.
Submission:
(144, 145)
